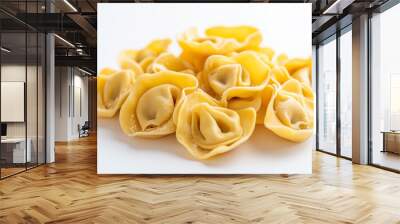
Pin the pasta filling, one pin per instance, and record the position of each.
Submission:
(156, 106)
(213, 126)
(291, 113)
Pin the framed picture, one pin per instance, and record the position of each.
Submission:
(205, 88)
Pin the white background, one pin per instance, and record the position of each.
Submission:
(285, 27)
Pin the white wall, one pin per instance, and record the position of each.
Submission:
(62, 81)
(70, 83)
(79, 117)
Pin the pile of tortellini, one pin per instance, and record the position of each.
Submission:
(213, 94)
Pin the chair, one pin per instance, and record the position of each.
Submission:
(84, 129)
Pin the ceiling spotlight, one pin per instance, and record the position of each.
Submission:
(65, 41)
(5, 50)
(70, 5)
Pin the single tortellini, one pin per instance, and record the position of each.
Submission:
(112, 89)
(290, 113)
(222, 72)
(238, 81)
(126, 61)
(138, 60)
(294, 64)
(191, 41)
(148, 111)
(247, 37)
(206, 128)
(298, 68)
(168, 61)
(219, 40)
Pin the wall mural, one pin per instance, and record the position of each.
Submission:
(204, 88)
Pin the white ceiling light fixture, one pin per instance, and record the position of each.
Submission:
(64, 40)
(5, 50)
(79, 51)
(84, 71)
(70, 5)
(337, 7)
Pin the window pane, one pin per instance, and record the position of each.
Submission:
(31, 99)
(41, 98)
(386, 89)
(15, 150)
(327, 97)
(346, 94)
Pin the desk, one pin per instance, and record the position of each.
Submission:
(391, 141)
(15, 148)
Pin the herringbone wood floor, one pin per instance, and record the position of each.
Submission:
(70, 191)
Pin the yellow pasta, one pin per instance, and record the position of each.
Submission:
(191, 41)
(219, 40)
(168, 61)
(247, 37)
(206, 128)
(138, 60)
(195, 59)
(212, 93)
(298, 68)
(290, 113)
(148, 110)
(280, 74)
(112, 89)
(238, 81)
(269, 53)
(222, 73)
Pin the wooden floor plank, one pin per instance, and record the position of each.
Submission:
(70, 191)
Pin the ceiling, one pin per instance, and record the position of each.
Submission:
(76, 22)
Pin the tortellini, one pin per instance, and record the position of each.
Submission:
(238, 81)
(191, 41)
(148, 110)
(112, 89)
(280, 74)
(247, 37)
(206, 128)
(290, 113)
(139, 60)
(295, 64)
(298, 68)
(168, 61)
(219, 40)
(212, 94)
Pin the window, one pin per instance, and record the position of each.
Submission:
(327, 96)
(385, 89)
(346, 93)
(22, 75)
